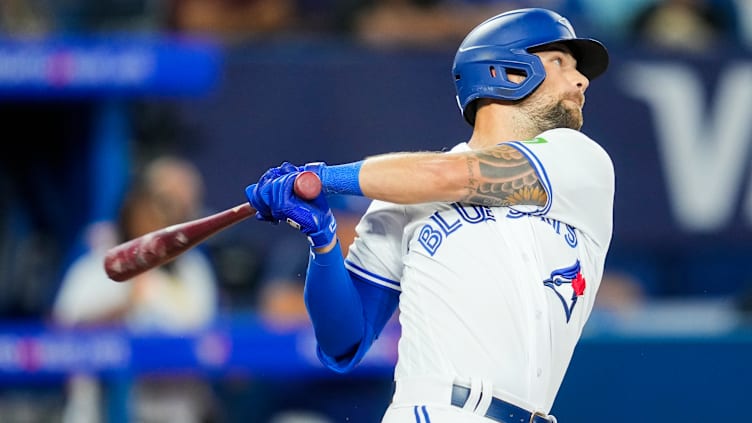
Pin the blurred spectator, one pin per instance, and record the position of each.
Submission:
(233, 19)
(171, 192)
(177, 298)
(619, 292)
(609, 19)
(179, 184)
(686, 25)
(419, 22)
(238, 20)
(621, 297)
(431, 22)
(25, 17)
(110, 16)
(38, 17)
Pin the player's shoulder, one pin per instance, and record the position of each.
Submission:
(573, 138)
(564, 134)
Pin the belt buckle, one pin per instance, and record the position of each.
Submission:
(537, 414)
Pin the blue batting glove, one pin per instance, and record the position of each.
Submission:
(314, 217)
(254, 191)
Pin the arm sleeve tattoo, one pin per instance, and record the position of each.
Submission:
(502, 176)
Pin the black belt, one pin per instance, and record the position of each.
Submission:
(499, 410)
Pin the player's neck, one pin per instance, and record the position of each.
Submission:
(498, 123)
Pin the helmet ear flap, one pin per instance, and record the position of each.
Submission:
(469, 112)
(491, 79)
(495, 71)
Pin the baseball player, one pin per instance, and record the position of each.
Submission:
(493, 251)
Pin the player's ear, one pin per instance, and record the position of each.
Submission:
(516, 75)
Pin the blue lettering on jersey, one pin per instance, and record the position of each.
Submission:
(431, 236)
(570, 236)
(514, 214)
(568, 284)
(479, 213)
(446, 227)
(554, 224)
(430, 239)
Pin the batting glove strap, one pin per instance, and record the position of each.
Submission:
(326, 233)
(320, 225)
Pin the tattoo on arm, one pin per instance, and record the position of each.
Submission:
(502, 176)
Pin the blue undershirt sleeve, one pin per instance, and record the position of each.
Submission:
(333, 303)
(347, 312)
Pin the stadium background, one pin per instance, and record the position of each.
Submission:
(87, 91)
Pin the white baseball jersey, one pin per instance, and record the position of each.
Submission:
(500, 293)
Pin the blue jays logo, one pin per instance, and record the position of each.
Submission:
(561, 278)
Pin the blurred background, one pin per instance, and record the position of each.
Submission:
(123, 116)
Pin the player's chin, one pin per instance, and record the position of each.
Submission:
(560, 115)
(573, 118)
(576, 122)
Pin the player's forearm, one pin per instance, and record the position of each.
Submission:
(497, 176)
(407, 178)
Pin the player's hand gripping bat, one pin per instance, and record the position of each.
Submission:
(148, 251)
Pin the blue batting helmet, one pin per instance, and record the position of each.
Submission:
(503, 43)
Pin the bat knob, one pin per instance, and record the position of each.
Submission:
(307, 185)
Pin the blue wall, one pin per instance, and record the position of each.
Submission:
(646, 378)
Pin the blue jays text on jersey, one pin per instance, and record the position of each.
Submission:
(432, 234)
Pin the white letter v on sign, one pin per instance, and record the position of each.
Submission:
(703, 153)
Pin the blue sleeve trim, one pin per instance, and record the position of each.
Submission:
(542, 175)
(372, 277)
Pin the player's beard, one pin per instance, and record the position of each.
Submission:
(545, 115)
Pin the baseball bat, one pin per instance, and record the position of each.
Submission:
(156, 248)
